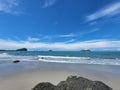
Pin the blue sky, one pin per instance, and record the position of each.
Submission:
(60, 24)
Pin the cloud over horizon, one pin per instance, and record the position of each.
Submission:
(66, 46)
(32, 39)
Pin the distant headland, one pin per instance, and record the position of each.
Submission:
(87, 50)
(20, 49)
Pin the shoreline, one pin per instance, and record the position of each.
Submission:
(26, 75)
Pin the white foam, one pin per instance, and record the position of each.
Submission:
(81, 60)
(64, 58)
(5, 55)
(59, 59)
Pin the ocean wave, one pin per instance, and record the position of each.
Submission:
(79, 60)
(64, 58)
(5, 57)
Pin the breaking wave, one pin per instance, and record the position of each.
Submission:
(80, 60)
(5, 57)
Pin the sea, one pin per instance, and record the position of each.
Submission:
(75, 57)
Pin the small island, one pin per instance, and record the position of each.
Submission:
(20, 49)
(87, 50)
(50, 50)
(2, 50)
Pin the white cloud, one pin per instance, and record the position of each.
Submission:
(67, 35)
(78, 34)
(107, 11)
(91, 44)
(32, 39)
(94, 30)
(93, 23)
(88, 32)
(9, 6)
(49, 3)
(70, 41)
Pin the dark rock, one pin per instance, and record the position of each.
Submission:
(50, 50)
(44, 86)
(22, 49)
(42, 57)
(16, 61)
(85, 50)
(80, 83)
(2, 50)
(74, 83)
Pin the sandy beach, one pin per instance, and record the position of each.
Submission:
(59, 44)
(25, 75)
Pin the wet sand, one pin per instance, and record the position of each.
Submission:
(25, 75)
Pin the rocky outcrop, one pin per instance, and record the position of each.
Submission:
(45, 86)
(16, 61)
(85, 50)
(74, 83)
(2, 50)
(50, 50)
(22, 49)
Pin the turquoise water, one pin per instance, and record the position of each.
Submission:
(109, 58)
(104, 55)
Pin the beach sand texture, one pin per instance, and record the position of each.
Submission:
(24, 76)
